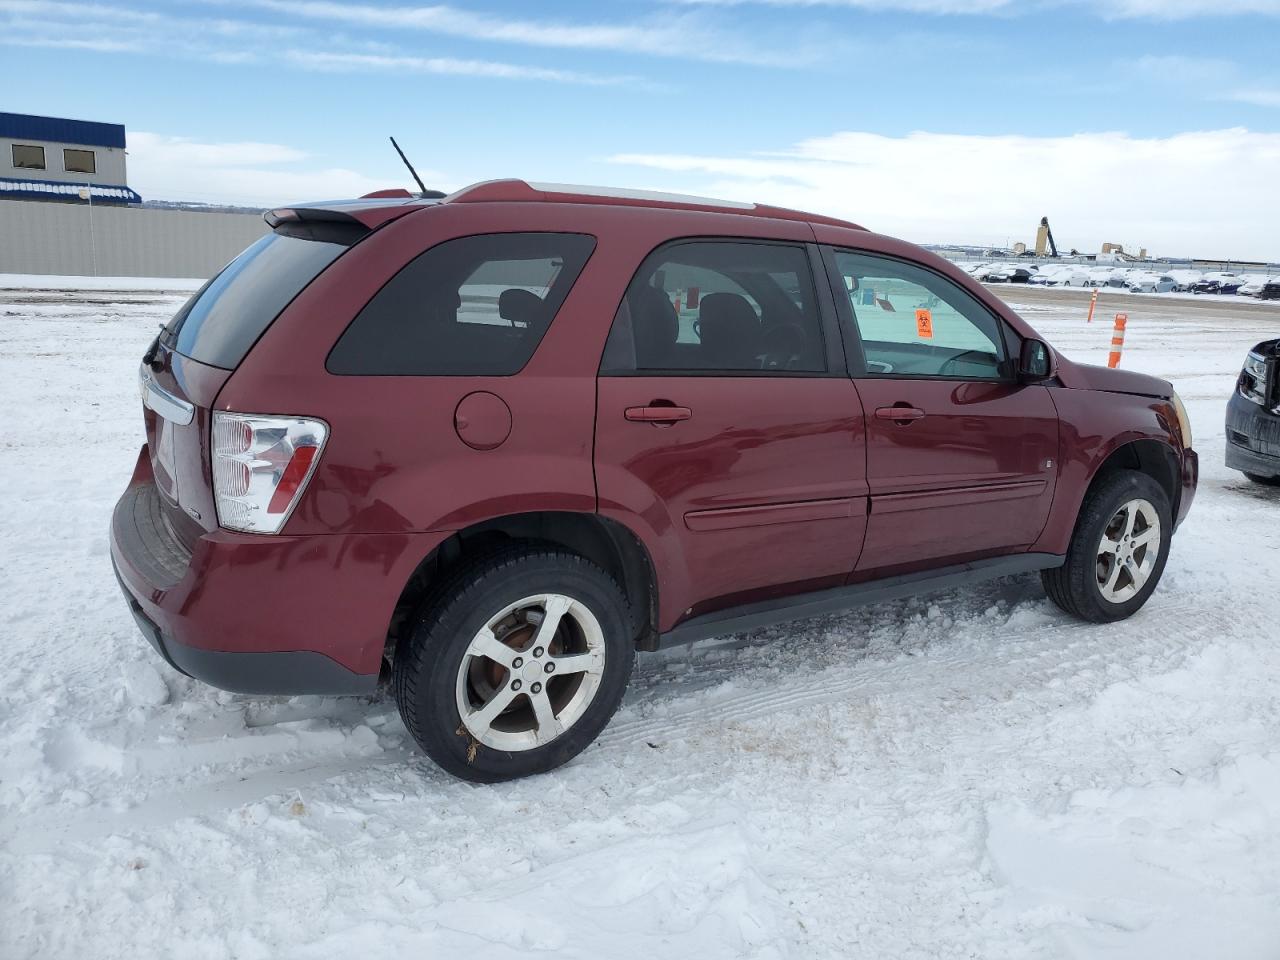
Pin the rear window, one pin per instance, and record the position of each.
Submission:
(224, 319)
(474, 306)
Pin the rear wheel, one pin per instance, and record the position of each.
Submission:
(515, 664)
(1118, 550)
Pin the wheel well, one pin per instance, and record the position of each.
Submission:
(1151, 457)
(605, 542)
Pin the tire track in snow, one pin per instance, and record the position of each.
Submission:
(899, 674)
(1005, 653)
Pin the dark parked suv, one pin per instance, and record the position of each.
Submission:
(1253, 416)
(492, 445)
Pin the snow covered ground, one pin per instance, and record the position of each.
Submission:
(967, 774)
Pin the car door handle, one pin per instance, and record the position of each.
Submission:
(900, 414)
(657, 414)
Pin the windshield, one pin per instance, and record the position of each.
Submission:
(228, 314)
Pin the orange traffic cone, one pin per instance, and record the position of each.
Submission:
(1117, 340)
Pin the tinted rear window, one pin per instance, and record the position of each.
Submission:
(474, 306)
(222, 321)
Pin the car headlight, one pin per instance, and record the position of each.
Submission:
(1253, 379)
(1184, 422)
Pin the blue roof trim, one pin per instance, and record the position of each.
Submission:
(25, 189)
(25, 126)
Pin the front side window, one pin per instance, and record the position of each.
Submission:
(79, 161)
(474, 306)
(727, 307)
(916, 323)
(28, 157)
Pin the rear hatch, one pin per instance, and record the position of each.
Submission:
(198, 350)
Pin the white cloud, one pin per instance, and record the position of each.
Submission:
(1108, 9)
(667, 34)
(1209, 193)
(1182, 9)
(344, 62)
(1206, 78)
(164, 167)
(56, 24)
(896, 6)
(1259, 97)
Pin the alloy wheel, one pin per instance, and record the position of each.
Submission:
(530, 672)
(1128, 551)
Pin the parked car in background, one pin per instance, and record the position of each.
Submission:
(1184, 280)
(994, 273)
(1101, 276)
(1251, 285)
(1270, 290)
(1224, 283)
(472, 445)
(1150, 283)
(1059, 276)
(1253, 416)
(1072, 276)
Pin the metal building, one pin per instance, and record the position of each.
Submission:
(52, 158)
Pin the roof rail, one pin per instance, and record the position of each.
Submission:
(509, 191)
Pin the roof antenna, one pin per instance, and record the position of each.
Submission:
(425, 194)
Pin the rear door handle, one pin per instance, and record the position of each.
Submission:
(657, 414)
(902, 414)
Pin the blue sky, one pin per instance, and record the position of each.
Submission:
(1149, 122)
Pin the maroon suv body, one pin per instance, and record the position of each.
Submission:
(737, 414)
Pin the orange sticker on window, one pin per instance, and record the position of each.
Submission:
(924, 324)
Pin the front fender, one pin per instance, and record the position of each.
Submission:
(1094, 426)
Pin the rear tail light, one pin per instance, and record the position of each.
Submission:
(261, 466)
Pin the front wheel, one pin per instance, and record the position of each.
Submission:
(516, 664)
(1118, 550)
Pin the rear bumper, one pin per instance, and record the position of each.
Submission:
(286, 673)
(261, 614)
(1249, 461)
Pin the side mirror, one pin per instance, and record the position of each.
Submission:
(1035, 363)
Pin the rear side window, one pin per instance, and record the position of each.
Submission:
(224, 319)
(719, 307)
(474, 306)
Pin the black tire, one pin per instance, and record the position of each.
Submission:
(427, 663)
(1265, 481)
(1074, 586)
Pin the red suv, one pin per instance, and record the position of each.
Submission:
(492, 445)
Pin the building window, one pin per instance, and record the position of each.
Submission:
(79, 161)
(27, 157)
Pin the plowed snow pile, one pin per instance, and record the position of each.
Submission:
(965, 774)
